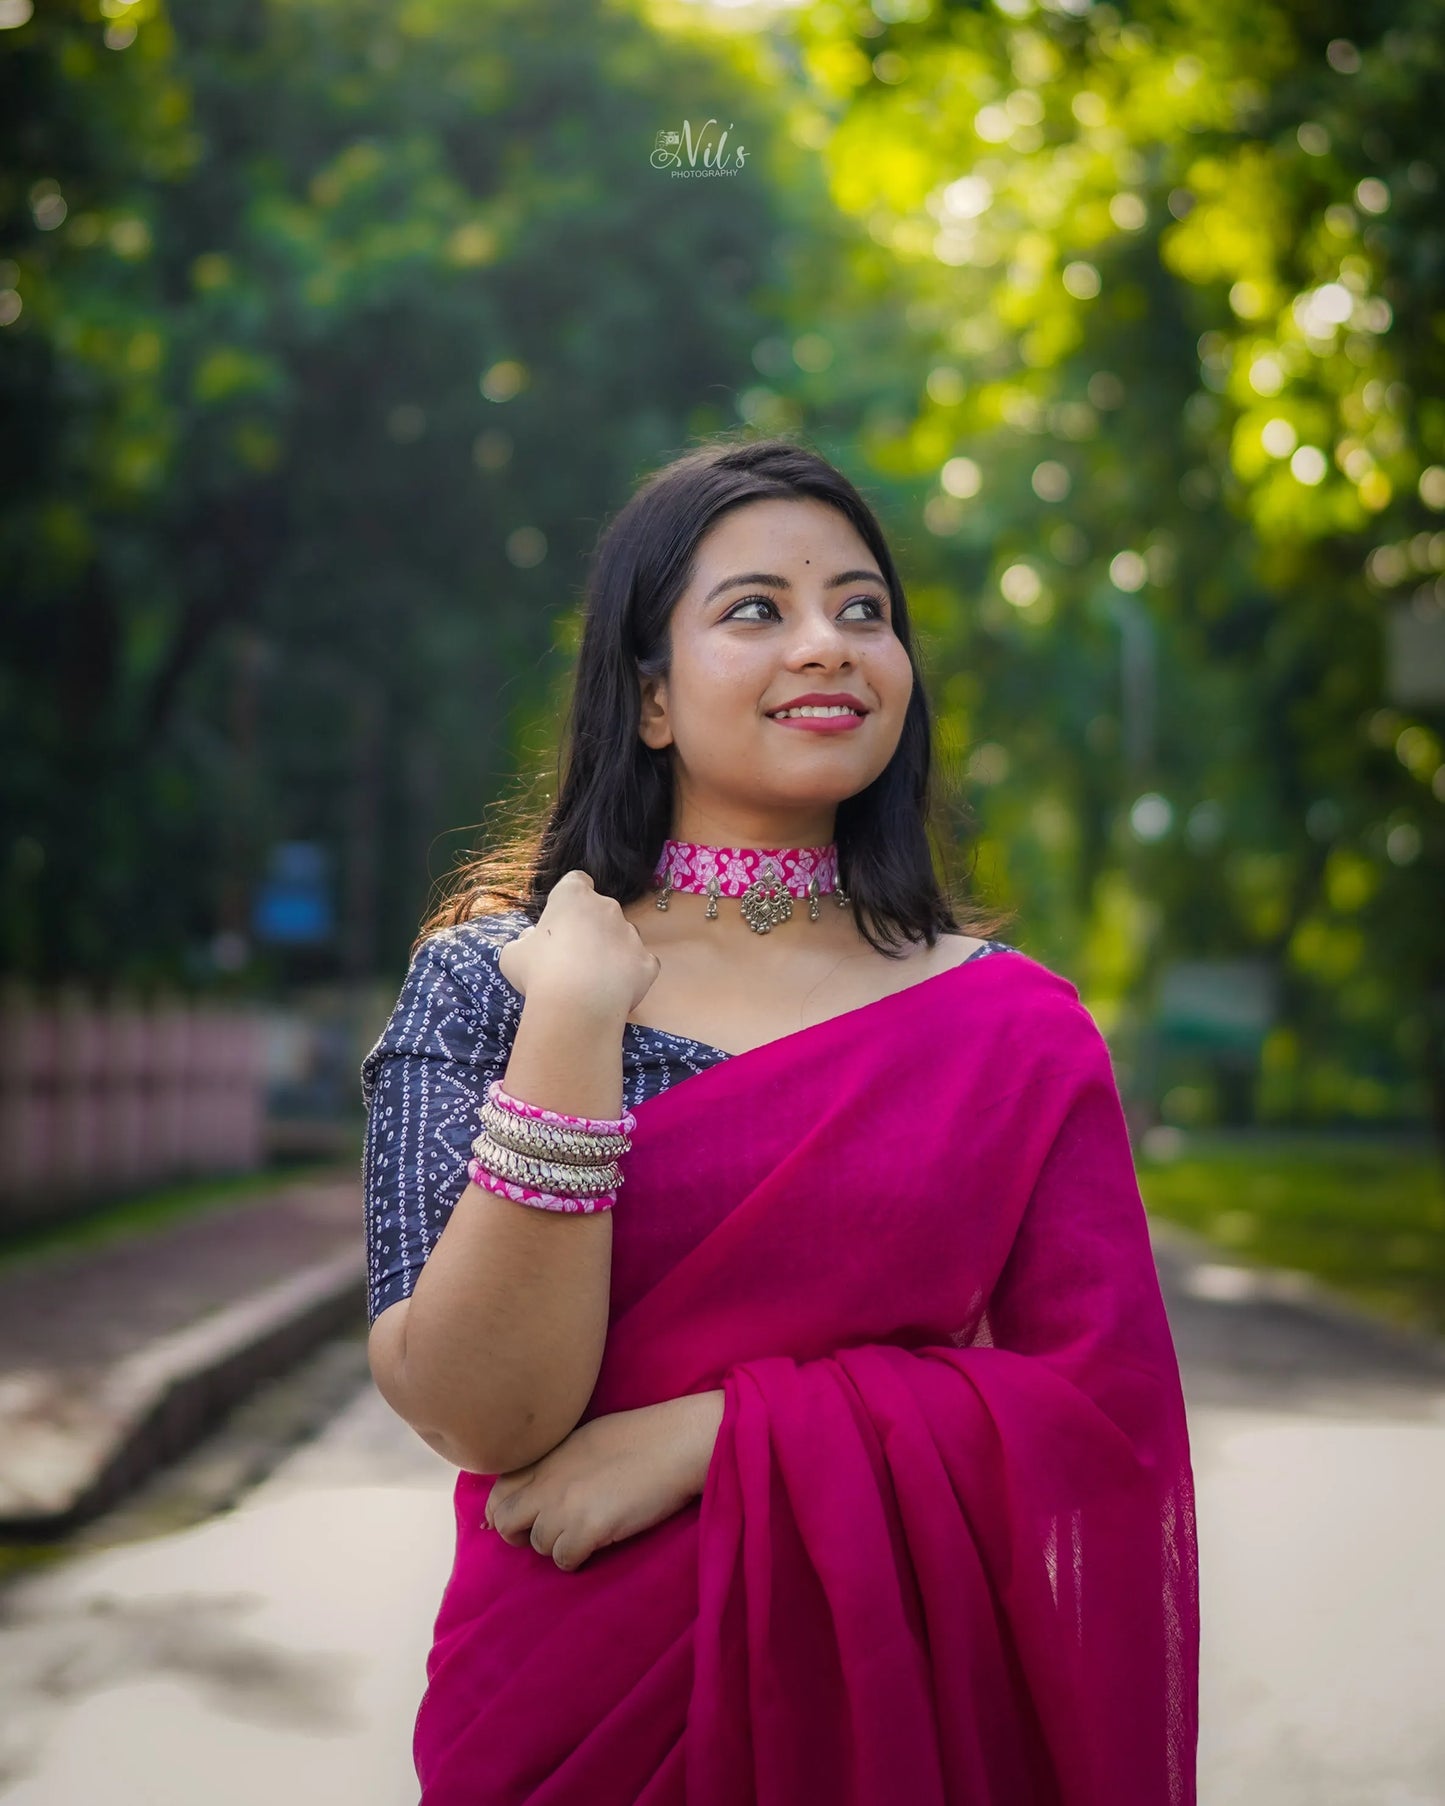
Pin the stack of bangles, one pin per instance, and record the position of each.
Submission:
(545, 1157)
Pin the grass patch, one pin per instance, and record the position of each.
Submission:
(151, 1210)
(1367, 1218)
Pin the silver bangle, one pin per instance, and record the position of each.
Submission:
(545, 1175)
(545, 1140)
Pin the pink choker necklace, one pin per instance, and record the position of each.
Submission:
(766, 878)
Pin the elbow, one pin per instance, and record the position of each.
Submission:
(459, 1440)
(513, 1440)
(394, 1380)
(521, 1443)
(502, 1451)
(471, 1437)
(482, 1429)
(471, 1460)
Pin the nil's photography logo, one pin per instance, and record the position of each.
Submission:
(698, 150)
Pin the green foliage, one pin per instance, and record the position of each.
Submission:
(339, 335)
(1167, 283)
(341, 328)
(1369, 1220)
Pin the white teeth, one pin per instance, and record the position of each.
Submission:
(813, 708)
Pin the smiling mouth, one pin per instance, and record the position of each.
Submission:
(815, 710)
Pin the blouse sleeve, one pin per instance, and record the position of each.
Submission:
(423, 1084)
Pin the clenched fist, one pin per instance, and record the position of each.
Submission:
(582, 951)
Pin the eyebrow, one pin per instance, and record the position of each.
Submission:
(775, 582)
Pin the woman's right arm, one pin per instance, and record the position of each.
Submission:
(493, 1357)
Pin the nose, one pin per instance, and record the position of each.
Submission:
(817, 639)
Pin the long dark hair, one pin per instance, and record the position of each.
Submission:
(614, 800)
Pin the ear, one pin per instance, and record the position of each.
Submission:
(653, 724)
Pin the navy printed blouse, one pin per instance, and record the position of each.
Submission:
(448, 1037)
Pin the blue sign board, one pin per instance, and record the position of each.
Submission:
(293, 904)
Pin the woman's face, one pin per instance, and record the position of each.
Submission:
(786, 601)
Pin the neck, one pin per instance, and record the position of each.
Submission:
(711, 826)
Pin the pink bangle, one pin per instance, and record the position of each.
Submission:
(542, 1200)
(591, 1125)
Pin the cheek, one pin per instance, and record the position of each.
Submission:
(892, 674)
(722, 684)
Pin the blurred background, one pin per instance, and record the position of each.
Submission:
(332, 331)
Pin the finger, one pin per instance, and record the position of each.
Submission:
(507, 1488)
(569, 1551)
(512, 1522)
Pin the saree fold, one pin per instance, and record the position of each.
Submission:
(946, 1550)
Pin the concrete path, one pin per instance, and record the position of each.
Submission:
(275, 1654)
(116, 1355)
(1318, 1439)
(271, 1657)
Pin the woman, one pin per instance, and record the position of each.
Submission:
(832, 1449)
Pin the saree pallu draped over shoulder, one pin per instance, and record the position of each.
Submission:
(946, 1551)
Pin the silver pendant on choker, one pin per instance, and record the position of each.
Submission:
(766, 902)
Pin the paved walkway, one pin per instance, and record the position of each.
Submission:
(113, 1356)
(276, 1652)
(1319, 1456)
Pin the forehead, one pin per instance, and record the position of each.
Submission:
(789, 529)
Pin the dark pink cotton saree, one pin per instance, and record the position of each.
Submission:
(946, 1553)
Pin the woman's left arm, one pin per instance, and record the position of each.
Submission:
(611, 1478)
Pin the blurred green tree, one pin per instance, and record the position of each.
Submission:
(1168, 277)
(340, 329)
(335, 331)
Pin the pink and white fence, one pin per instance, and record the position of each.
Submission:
(100, 1100)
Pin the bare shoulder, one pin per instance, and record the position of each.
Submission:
(949, 950)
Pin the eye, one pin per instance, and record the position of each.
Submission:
(872, 602)
(747, 602)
